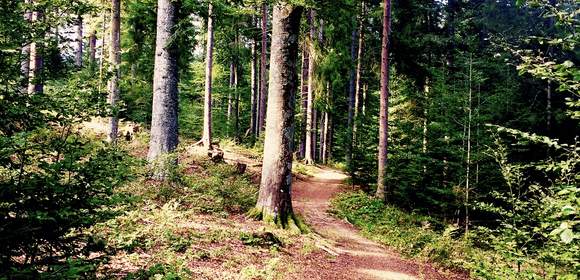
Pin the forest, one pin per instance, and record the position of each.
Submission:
(290, 139)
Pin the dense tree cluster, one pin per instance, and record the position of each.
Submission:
(466, 111)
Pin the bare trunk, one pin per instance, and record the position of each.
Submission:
(327, 129)
(263, 87)
(114, 68)
(236, 104)
(230, 92)
(304, 98)
(207, 130)
(384, 104)
(310, 146)
(351, 93)
(274, 201)
(35, 79)
(164, 127)
(358, 83)
(92, 49)
(103, 52)
(79, 39)
(25, 62)
(468, 159)
(425, 124)
(254, 87)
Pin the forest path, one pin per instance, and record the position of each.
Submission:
(351, 255)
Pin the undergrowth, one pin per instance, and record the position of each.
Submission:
(417, 236)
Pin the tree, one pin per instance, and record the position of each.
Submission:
(115, 64)
(274, 201)
(164, 130)
(310, 144)
(263, 70)
(79, 40)
(384, 103)
(25, 63)
(35, 79)
(207, 130)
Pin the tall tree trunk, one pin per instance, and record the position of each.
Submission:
(254, 84)
(164, 127)
(35, 79)
(274, 201)
(103, 48)
(468, 159)
(351, 93)
(358, 83)
(304, 99)
(79, 39)
(25, 62)
(263, 70)
(93, 49)
(426, 90)
(207, 118)
(230, 101)
(114, 68)
(310, 146)
(384, 104)
(327, 128)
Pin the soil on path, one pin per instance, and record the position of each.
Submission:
(350, 256)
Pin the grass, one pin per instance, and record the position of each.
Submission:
(424, 238)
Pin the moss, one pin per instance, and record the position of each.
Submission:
(291, 222)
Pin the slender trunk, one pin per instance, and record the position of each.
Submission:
(254, 86)
(164, 126)
(114, 68)
(207, 130)
(358, 83)
(263, 87)
(382, 188)
(93, 49)
(425, 123)
(35, 84)
(365, 90)
(79, 39)
(327, 126)
(103, 52)
(468, 160)
(25, 62)
(230, 92)
(236, 105)
(274, 202)
(351, 93)
(310, 146)
(304, 98)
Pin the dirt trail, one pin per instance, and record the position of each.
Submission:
(356, 257)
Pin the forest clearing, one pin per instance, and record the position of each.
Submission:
(286, 139)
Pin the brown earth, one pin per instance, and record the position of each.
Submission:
(349, 254)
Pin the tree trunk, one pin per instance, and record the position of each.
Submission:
(304, 98)
(254, 85)
(274, 202)
(207, 130)
(358, 83)
(103, 52)
(93, 49)
(230, 101)
(25, 62)
(115, 69)
(79, 39)
(384, 104)
(164, 127)
(310, 143)
(35, 79)
(327, 129)
(263, 87)
(351, 93)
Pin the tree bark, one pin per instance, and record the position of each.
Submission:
(304, 97)
(115, 69)
(230, 92)
(358, 83)
(274, 201)
(93, 49)
(327, 129)
(35, 79)
(310, 143)
(351, 93)
(207, 117)
(25, 62)
(254, 84)
(382, 188)
(263, 70)
(103, 52)
(164, 127)
(79, 39)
